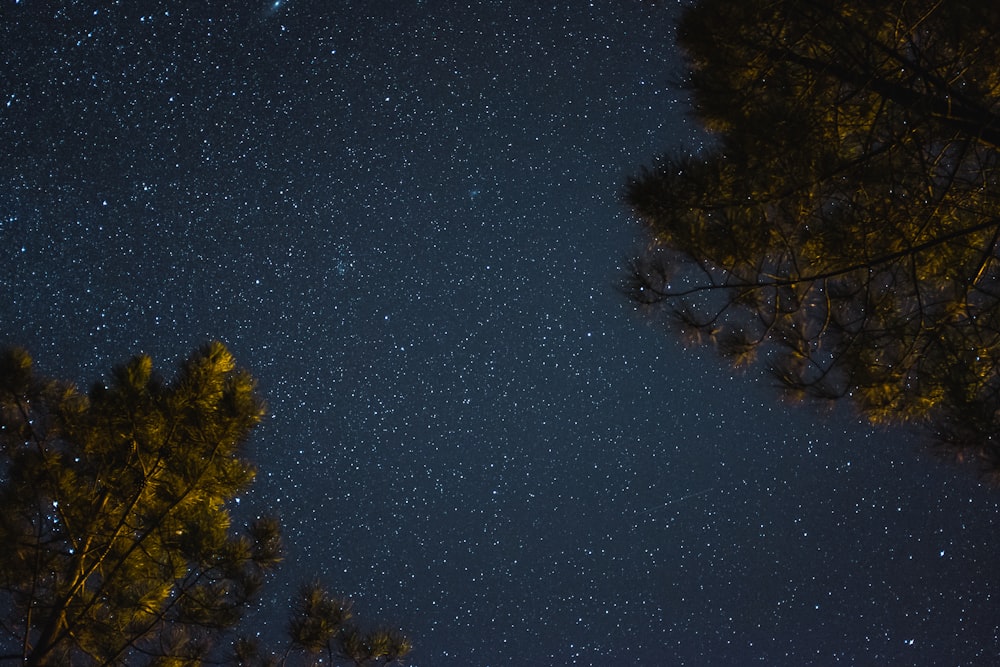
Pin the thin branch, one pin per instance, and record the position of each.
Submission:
(833, 273)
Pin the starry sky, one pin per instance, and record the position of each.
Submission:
(403, 218)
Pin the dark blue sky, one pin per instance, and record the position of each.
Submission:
(403, 218)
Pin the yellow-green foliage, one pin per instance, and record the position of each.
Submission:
(845, 217)
(114, 524)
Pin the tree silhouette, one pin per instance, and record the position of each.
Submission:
(115, 541)
(842, 223)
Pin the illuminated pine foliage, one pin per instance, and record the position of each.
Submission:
(842, 224)
(116, 546)
(321, 626)
(113, 524)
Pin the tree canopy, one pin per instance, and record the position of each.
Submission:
(116, 544)
(841, 224)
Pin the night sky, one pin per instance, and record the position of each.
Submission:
(403, 217)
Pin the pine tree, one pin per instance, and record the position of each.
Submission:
(841, 224)
(116, 544)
